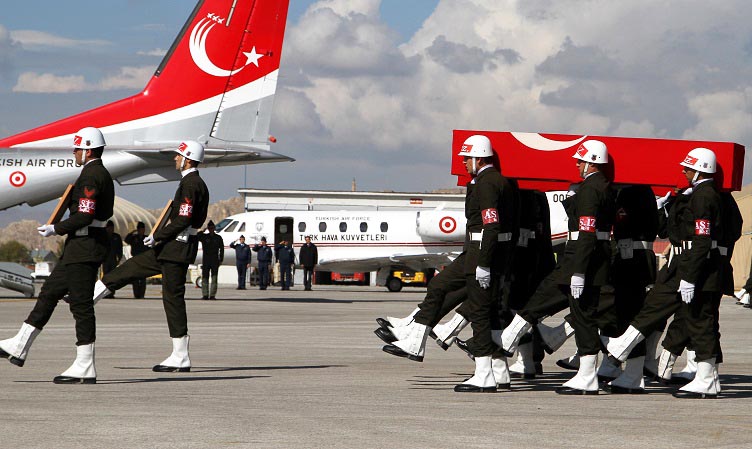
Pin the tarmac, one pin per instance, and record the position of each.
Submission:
(284, 369)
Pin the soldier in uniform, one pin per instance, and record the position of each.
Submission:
(692, 278)
(86, 245)
(491, 218)
(173, 248)
(633, 273)
(213, 248)
(264, 258)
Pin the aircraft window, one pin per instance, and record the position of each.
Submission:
(342, 227)
(221, 225)
(363, 226)
(231, 227)
(322, 227)
(301, 227)
(242, 228)
(384, 226)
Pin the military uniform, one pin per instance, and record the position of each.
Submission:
(213, 249)
(136, 242)
(264, 261)
(176, 248)
(85, 248)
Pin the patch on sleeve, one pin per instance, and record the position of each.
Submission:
(87, 204)
(490, 216)
(702, 227)
(186, 208)
(587, 224)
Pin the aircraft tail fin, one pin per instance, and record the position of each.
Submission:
(216, 85)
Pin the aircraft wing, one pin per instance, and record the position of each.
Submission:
(417, 262)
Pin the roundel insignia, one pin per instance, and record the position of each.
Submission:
(447, 225)
(17, 179)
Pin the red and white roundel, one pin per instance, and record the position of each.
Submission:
(447, 225)
(17, 179)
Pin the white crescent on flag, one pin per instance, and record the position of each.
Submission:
(538, 142)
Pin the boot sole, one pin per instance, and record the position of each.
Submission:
(473, 389)
(575, 392)
(170, 369)
(394, 350)
(14, 360)
(693, 395)
(60, 380)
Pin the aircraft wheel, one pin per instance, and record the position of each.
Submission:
(393, 284)
(199, 282)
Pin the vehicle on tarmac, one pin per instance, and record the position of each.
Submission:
(216, 85)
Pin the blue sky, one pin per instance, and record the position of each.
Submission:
(421, 68)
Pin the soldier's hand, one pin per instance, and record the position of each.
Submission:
(47, 230)
(660, 202)
(577, 285)
(149, 241)
(687, 291)
(483, 276)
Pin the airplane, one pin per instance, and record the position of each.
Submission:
(366, 241)
(215, 85)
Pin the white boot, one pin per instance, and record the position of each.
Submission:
(571, 363)
(609, 370)
(100, 291)
(500, 370)
(397, 322)
(705, 383)
(630, 381)
(688, 372)
(651, 361)
(413, 345)
(512, 334)
(483, 380)
(621, 346)
(665, 366)
(742, 297)
(585, 381)
(446, 333)
(17, 348)
(82, 371)
(524, 366)
(178, 361)
(554, 337)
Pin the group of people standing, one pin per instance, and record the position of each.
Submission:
(170, 249)
(284, 254)
(505, 282)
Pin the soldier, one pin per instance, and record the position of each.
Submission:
(491, 218)
(286, 258)
(264, 261)
(691, 280)
(242, 259)
(86, 245)
(213, 248)
(173, 248)
(136, 241)
(309, 257)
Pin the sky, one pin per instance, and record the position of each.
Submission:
(374, 94)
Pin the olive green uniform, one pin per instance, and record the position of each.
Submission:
(86, 245)
(176, 248)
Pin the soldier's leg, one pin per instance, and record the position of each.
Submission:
(173, 297)
(549, 299)
(477, 309)
(205, 280)
(450, 279)
(584, 311)
(141, 266)
(701, 325)
(81, 278)
(53, 290)
(214, 274)
(628, 301)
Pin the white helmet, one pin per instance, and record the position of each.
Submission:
(592, 152)
(190, 149)
(701, 160)
(476, 146)
(88, 138)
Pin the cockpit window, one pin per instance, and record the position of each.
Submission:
(232, 226)
(221, 225)
(242, 228)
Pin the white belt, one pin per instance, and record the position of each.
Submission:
(687, 244)
(98, 224)
(600, 235)
(183, 236)
(635, 244)
(525, 235)
(502, 236)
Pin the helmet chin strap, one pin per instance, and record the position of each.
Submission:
(475, 166)
(182, 164)
(694, 178)
(584, 169)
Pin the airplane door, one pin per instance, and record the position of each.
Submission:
(283, 229)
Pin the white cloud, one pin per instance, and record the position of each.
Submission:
(32, 39)
(156, 52)
(126, 78)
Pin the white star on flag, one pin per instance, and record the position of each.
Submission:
(253, 57)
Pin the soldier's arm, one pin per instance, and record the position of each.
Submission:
(587, 210)
(182, 214)
(488, 197)
(690, 264)
(86, 207)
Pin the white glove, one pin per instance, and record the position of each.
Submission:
(660, 202)
(47, 230)
(483, 276)
(687, 291)
(149, 241)
(576, 285)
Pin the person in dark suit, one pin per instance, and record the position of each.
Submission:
(264, 258)
(86, 244)
(213, 254)
(114, 251)
(309, 257)
(135, 239)
(242, 259)
(286, 259)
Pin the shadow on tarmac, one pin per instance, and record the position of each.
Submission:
(212, 369)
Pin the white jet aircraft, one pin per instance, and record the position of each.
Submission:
(216, 85)
(357, 241)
